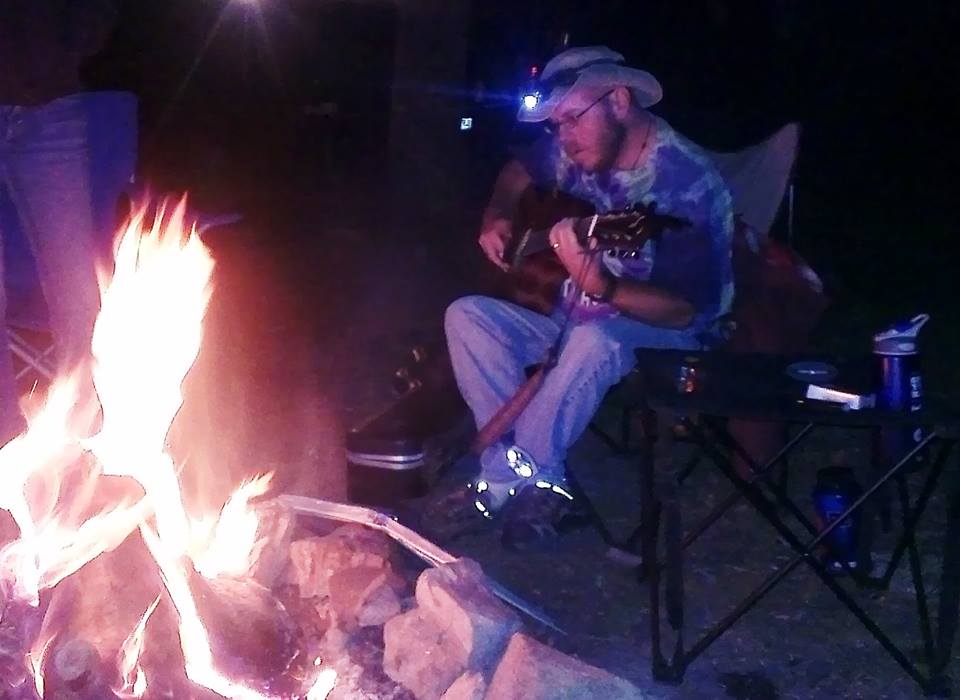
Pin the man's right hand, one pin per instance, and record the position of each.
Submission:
(493, 240)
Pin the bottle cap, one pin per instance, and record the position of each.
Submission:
(900, 338)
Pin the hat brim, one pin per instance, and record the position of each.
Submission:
(643, 85)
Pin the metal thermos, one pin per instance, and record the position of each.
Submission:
(835, 491)
(899, 385)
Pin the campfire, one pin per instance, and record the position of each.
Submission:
(117, 581)
(118, 584)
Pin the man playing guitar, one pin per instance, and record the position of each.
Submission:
(604, 148)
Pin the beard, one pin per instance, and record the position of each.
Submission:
(608, 141)
(610, 144)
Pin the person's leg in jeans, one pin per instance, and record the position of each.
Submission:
(491, 342)
(48, 171)
(11, 420)
(594, 356)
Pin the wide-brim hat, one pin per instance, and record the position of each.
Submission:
(588, 66)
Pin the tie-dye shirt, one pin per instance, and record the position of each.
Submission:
(693, 263)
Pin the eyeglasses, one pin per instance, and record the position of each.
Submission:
(571, 120)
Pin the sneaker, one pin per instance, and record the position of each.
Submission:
(465, 510)
(540, 513)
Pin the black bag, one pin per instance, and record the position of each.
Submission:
(397, 453)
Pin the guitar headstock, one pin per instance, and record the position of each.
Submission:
(629, 229)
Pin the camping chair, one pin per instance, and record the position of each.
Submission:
(112, 135)
(757, 177)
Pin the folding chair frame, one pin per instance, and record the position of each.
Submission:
(36, 360)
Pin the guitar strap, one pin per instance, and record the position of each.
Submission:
(502, 421)
(553, 353)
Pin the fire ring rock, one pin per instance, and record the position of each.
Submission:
(458, 626)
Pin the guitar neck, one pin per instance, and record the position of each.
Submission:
(623, 230)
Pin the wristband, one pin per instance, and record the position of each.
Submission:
(609, 289)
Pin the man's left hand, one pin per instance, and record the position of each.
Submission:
(582, 263)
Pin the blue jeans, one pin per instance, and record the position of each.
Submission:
(492, 341)
(44, 167)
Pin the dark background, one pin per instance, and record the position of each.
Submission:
(236, 108)
(361, 201)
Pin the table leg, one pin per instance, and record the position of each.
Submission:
(911, 516)
(805, 554)
(649, 528)
(950, 584)
(916, 571)
(659, 505)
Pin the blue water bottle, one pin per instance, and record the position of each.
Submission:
(835, 491)
(899, 385)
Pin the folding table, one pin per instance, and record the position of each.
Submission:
(702, 390)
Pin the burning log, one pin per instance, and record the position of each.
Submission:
(76, 664)
(251, 634)
(102, 602)
(75, 672)
(276, 527)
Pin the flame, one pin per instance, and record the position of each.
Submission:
(140, 685)
(41, 446)
(146, 338)
(53, 541)
(35, 660)
(232, 547)
(128, 661)
(323, 686)
(194, 640)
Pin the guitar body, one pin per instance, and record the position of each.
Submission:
(536, 273)
(535, 281)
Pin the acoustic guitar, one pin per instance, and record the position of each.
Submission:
(536, 273)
